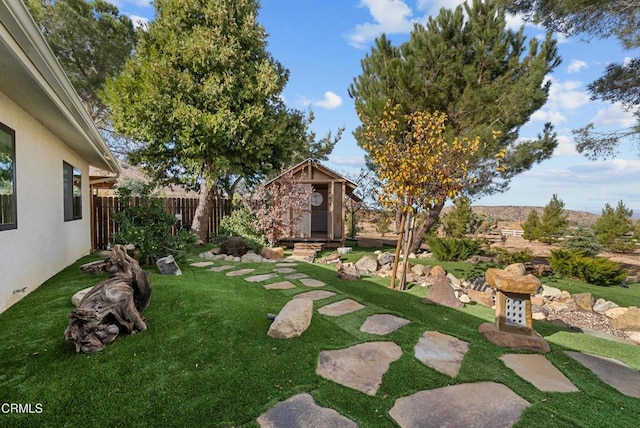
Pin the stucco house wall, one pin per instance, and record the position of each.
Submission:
(51, 127)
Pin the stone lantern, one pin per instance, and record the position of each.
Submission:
(513, 327)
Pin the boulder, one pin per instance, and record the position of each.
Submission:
(511, 281)
(251, 257)
(584, 301)
(437, 272)
(367, 265)
(484, 298)
(537, 300)
(516, 269)
(207, 255)
(347, 272)
(441, 293)
(274, 253)
(601, 306)
(455, 282)
(294, 318)
(168, 266)
(234, 246)
(630, 320)
(564, 305)
(385, 258)
(418, 270)
(531, 342)
(614, 313)
(77, 298)
(549, 291)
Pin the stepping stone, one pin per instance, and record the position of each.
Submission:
(612, 372)
(298, 275)
(340, 308)
(260, 278)
(222, 268)
(539, 372)
(282, 285)
(202, 264)
(294, 318)
(285, 264)
(360, 367)
(301, 411)
(382, 324)
(285, 270)
(480, 404)
(315, 295)
(240, 272)
(441, 352)
(310, 282)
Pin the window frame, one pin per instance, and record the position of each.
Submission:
(14, 203)
(72, 209)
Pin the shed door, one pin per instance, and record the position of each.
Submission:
(319, 212)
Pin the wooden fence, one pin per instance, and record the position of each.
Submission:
(103, 208)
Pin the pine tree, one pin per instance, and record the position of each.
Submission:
(461, 220)
(531, 226)
(614, 226)
(554, 220)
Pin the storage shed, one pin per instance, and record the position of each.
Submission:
(323, 220)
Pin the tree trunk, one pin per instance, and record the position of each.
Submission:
(396, 259)
(430, 218)
(200, 224)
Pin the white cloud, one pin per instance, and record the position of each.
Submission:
(566, 146)
(576, 65)
(614, 115)
(552, 116)
(390, 16)
(352, 161)
(566, 96)
(139, 21)
(330, 101)
(138, 3)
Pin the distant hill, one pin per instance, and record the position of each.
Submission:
(511, 216)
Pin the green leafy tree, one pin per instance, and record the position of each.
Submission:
(554, 220)
(614, 228)
(203, 95)
(484, 77)
(92, 41)
(620, 83)
(531, 226)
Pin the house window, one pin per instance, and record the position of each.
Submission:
(8, 216)
(72, 192)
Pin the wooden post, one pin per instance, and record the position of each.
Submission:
(407, 236)
(403, 219)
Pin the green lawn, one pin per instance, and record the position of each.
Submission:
(206, 359)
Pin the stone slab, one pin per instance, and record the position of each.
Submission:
(612, 372)
(315, 295)
(221, 268)
(298, 275)
(340, 308)
(441, 352)
(311, 282)
(539, 372)
(481, 404)
(382, 324)
(294, 318)
(285, 264)
(260, 278)
(441, 293)
(240, 272)
(530, 342)
(282, 285)
(360, 367)
(202, 264)
(285, 270)
(301, 411)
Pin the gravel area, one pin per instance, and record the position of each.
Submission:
(590, 320)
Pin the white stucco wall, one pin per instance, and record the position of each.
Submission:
(43, 243)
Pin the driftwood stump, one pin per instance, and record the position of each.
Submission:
(112, 306)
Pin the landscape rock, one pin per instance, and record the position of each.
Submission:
(302, 411)
(367, 265)
(294, 318)
(77, 297)
(549, 291)
(340, 308)
(455, 282)
(360, 367)
(538, 316)
(464, 298)
(441, 352)
(437, 271)
(531, 342)
(168, 266)
(537, 300)
(418, 270)
(539, 372)
(251, 257)
(584, 301)
(207, 255)
(634, 336)
(442, 293)
(315, 295)
(612, 372)
(234, 246)
(511, 281)
(344, 250)
(564, 305)
(614, 313)
(275, 253)
(601, 306)
(484, 298)
(385, 258)
(630, 320)
(516, 269)
(382, 324)
(347, 271)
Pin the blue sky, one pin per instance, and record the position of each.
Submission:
(322, 42)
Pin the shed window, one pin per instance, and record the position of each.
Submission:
(8, 215)
(72, 192)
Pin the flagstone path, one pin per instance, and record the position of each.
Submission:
(362, 367)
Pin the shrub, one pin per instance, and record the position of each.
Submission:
(453, 249)
(383, 223)
(505, 257)
(241, 223)
(592, 270)
(148, 227)
(583, 241)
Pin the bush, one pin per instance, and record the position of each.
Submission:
(583, 241)
(505, 257)
(148, 227)
(592, 270)
(241, 223)
(453, 249)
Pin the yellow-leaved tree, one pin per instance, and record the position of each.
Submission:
(418, 166)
